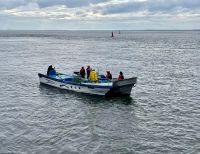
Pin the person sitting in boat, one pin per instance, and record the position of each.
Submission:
(93, 76)
(82, 72)
(51, 70)
(121, 76)
(88, 70)
(108, 75)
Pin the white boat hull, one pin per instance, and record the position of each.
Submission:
(75, 88)
(102, 87)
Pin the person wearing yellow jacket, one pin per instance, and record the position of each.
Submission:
(93, 76)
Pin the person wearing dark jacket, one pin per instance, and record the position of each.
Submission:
(88, 70)
(49, 69)
(108, 75)
(82, 72)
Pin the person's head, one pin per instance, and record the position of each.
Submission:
(108, 72)
(82, 67)
(120, 73)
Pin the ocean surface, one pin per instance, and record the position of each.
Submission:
(162, 114)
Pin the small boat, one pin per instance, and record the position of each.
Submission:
(102, 87)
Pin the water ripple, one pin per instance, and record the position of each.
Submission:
(160, 116)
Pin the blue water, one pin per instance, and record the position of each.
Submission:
(162, 115)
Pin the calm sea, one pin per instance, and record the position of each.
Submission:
(162, 115)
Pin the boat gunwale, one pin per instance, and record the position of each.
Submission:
(74, 83)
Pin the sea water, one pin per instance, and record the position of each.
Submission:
(162, 114)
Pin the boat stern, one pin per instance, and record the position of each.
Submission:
(122, 87)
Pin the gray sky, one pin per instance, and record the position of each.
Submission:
(99, 14)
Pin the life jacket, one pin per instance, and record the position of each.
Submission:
(93, 76)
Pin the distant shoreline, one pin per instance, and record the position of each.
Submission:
(102, 30)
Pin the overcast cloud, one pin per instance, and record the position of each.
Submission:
(99, 14)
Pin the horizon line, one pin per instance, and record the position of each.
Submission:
(99, 29)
